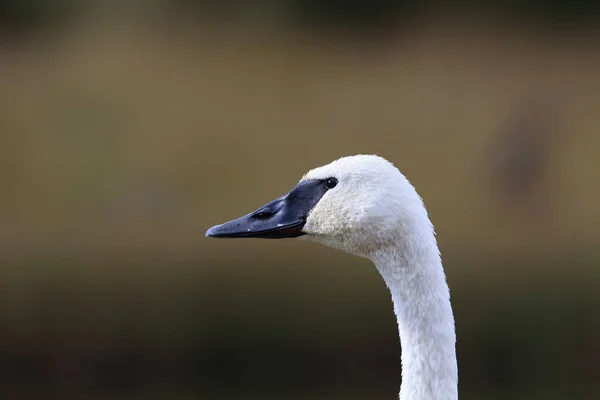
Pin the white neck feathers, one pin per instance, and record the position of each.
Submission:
(412, 270)
(375, 212)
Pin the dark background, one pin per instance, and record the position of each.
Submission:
(127, 128)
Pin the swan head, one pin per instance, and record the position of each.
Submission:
(359, 204)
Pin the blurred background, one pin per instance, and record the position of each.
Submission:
(127, 128)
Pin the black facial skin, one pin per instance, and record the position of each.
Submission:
(282, 218)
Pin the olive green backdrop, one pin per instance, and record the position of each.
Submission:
(126, 131)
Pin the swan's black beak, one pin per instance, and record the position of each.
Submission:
(282, 218)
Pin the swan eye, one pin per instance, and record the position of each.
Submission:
(331, 183)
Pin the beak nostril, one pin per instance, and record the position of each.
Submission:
(263, 215)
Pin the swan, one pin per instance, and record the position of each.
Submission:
(363, 205)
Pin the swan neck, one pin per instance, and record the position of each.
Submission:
(413, 272)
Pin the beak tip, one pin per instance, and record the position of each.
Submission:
(211, 232)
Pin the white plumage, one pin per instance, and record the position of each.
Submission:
(374, 212)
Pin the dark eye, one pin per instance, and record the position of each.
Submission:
(331, 183)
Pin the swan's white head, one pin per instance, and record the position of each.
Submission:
(359, 204)
(371, 207)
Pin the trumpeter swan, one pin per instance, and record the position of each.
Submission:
(363, 205)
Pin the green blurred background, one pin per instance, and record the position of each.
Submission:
(128, 128)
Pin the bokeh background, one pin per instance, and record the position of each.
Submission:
(127, 128)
